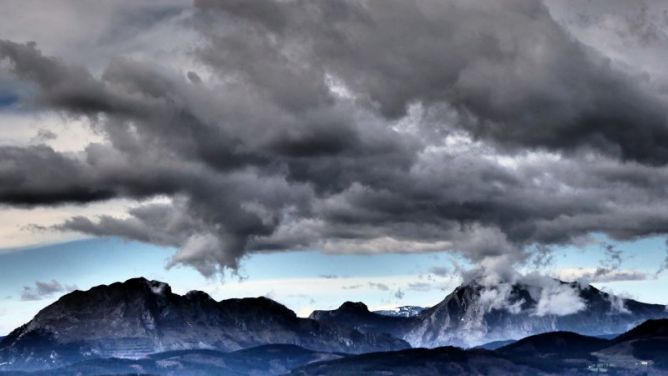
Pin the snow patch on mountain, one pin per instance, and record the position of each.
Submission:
(403, 311)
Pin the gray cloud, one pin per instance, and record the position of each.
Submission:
(613, 257)
(95, 32)
(601, 274)
(44, 290)
(379, 286)
(329, 276)
(420, 286)
(377, 126)
(664, 264)
(44, 135)
(440, 271)
(509, 68)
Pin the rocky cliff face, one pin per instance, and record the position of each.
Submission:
(140, 317)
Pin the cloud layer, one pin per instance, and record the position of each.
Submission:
(350, 126)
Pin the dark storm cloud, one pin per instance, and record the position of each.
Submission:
(354, 126)
(62, 86)
(38, 175)
(517, 76)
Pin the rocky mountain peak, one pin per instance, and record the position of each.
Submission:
(479, 312)
(354, 307)
(198, 295)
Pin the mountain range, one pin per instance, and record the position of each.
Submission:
(475, 314)
(640, 351)
(141, 326)
(141, 317)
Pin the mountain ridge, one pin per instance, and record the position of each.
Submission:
(555, 353)
(139, 317)
(475, 314)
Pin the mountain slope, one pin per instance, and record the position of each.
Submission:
(555, 351)
(140, 317)
(648, 342)
(450, 361)
(646, 330)
(266, 360)
(563, 343)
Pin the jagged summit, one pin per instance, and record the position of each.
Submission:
(477, 313)
(347, 309)
(354, 307)
(138, 283)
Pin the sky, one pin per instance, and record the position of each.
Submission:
(321, 151)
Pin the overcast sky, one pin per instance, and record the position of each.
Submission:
(493, 135)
